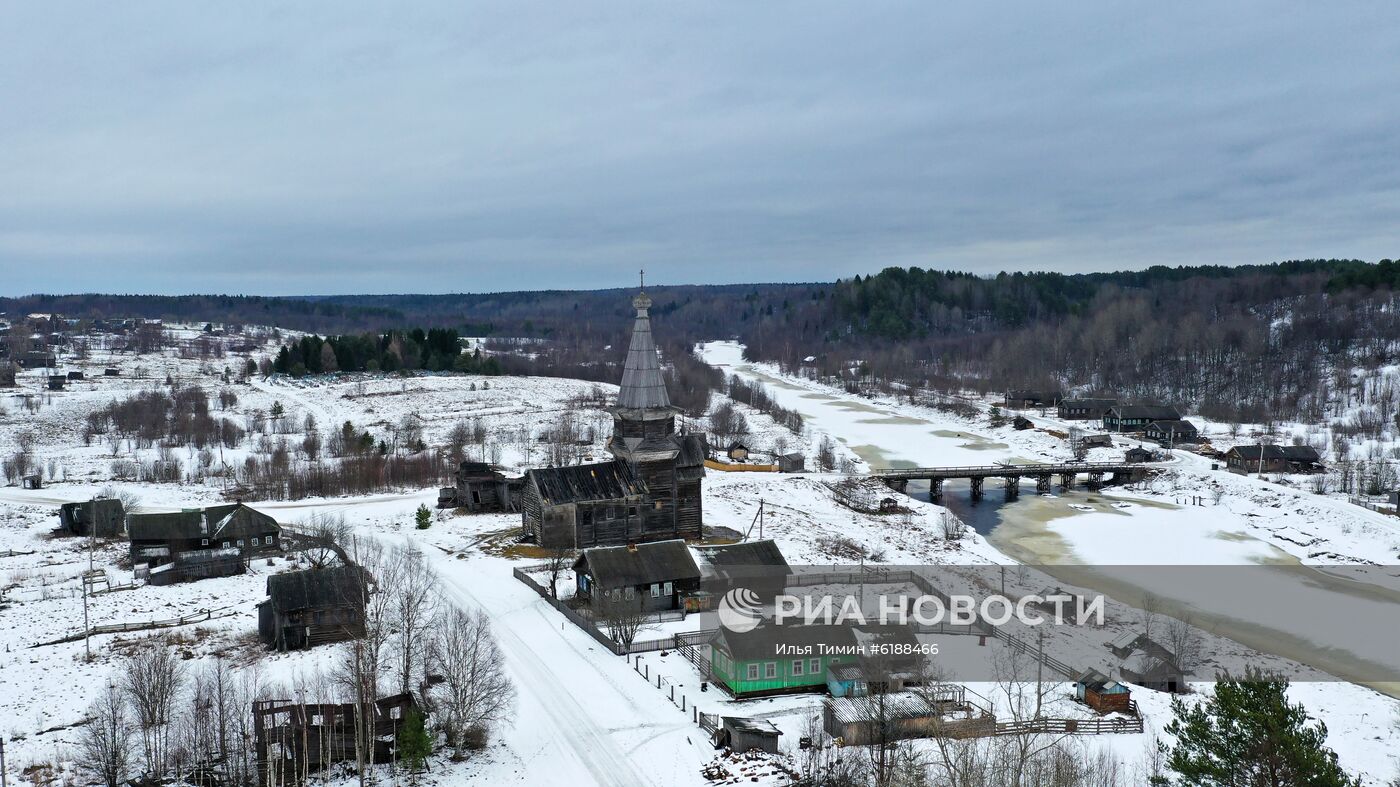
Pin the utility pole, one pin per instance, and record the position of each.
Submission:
(3, 783)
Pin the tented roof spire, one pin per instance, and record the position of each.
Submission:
(643, 387)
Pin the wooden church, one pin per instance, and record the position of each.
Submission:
(650, 491)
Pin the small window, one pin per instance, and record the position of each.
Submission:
(631, 511)
(770, 670)
(204, 542)
(814, 666)
(666, 589)
(225, 545)
(797, 668)
(655, 590)
(753, 672)
(240, 543)
(629, 593)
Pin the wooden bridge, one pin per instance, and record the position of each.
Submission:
(1044, 474)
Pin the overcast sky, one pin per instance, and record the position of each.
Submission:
(197, 147)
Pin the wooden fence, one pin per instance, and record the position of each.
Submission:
(115, 628)
(573, 615)
(1110, 726)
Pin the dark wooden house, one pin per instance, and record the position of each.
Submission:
(293, 739)
(1274, 459)
(57, 382)
(36, 359)
(1084, 409)
(1022, 423)
(481, 488)
(158, 538)
(1137, 417)
(650, 491)
(1139, 454)
(32, 481)
(308, 608)
(7, 375)
(1025, 398)
(1169, 433)
(102, 517)
(75, 375)
(657, 575)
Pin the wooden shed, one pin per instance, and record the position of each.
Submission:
(741, 734)
(737, 452)
(793, 462)
(1104, 695)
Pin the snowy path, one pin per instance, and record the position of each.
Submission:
(581, 716)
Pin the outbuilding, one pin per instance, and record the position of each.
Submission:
(741, 734)
(101, 517)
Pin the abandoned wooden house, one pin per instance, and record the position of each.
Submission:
(1136, 417)
(741, 734)
(57, 382)
(36, 359)
(75, 375)
(1024, 398)
(1153, 667)
(481, 488)
(656, 576)
(650, 491)
(312, 607)
(1274, 459)
(1103, 694)
(294, 740)
(1022, 423)
(101, 517)
(1170, 433)
(111, 372)
(158, 538)
(1084, 409)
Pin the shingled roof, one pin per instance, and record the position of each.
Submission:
(747, 558)
(643, 387)
(317, 587)
(1150, 412)
(1290, 453)
(232, 520)
(643, 564)
(580, 483)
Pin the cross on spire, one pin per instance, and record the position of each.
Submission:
(643, 276)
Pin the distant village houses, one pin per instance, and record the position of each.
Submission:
(1084, 409)
(1169, 433)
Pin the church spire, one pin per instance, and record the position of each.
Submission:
(643, 387)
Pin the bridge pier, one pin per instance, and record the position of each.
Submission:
(976, 487)
(1067, 480)
(1042, 483)
(1013, 487)
(1095, 480)
(935, 490)
(897, 484)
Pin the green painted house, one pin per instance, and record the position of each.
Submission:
(778, 659)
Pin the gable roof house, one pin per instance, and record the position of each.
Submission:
(158, 538)
(656, 575)
(1084, 409)
(650, 491)
(1274, 459)
(756, 565)
(308, 608)
(1136, 417)
(1170, 433)
(479, 488)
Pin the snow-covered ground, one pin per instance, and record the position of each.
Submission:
(583, 715)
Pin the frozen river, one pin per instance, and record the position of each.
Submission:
(1194, 560)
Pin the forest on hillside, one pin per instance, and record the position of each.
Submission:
(1294, 340)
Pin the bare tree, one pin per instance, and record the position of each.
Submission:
(414, 603)
(621, 614)
(560, 558)
(1183, 639)
(105, 744)
(479, 695)
(152, 680)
